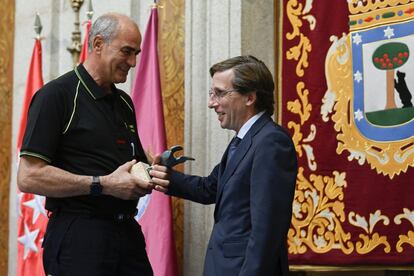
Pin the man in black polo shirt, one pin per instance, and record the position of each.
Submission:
(79, 146)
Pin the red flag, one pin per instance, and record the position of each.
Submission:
(34, 82)
(155, 211)
(84, 51)
(32, 214)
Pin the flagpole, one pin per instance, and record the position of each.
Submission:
(31, 227)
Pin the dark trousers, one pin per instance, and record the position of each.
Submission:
(76, 244)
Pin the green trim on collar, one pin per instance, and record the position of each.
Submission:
(83, 83)
(74, 108)
(132, 110)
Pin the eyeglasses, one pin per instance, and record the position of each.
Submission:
(217, 94)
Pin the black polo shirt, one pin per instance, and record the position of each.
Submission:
(73, 124)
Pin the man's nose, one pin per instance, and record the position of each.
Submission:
(132, 60)
(212, 103)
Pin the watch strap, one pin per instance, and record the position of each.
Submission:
(95, 187)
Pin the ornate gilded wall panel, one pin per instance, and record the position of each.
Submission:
(6, 84)
(335, 223)
(171, 58)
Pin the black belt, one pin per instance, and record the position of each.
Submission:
(119, 217)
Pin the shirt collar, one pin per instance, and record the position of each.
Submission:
(90, 85)
(247, 125)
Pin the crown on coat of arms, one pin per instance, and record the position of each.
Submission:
(368, 13)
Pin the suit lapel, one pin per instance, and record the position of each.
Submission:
(242, 149)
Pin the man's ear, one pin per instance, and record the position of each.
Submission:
(251, 98)
(97, 44)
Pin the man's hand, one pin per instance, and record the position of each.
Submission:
(160, 178)
(160, 175)
(122, 184)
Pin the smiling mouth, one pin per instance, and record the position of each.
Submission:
(124, 70)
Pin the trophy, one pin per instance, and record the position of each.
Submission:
(168, 159)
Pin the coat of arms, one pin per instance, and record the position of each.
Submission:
(370, 75)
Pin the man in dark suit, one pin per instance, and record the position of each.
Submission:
(254, 184)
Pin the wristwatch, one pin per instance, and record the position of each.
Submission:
(95, 187)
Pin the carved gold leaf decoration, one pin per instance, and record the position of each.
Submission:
(409, 237)
(363, 6)
(297, 13)
(369, 243)
(318, 213)
(297, 136)
(363, 12)
(370, 240)
(318, 208)
(300, 54)
(301, 106)
(293, 11)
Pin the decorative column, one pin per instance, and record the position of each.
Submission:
(76, 46)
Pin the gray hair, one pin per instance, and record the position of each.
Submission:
(105, 26)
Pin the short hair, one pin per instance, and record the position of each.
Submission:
(250, 75)
(105, 25)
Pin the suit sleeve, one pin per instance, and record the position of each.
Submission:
(273, 179)
(195, 188)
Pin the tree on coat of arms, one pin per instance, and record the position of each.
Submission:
(388, 57)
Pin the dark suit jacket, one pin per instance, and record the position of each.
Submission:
(253, 197)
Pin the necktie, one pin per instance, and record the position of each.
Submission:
(232, 149)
